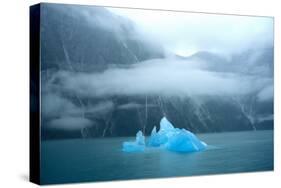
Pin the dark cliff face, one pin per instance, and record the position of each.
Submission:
(81, 39)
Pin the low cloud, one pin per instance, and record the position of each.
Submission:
(69, 123)
(100, 109)
(266, 93)
(61, 113)
(133, 105)
(164, 77)
(54, 105)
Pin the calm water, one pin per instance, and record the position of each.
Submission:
(102, 159)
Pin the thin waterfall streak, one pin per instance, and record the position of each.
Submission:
(139, 117)
(104, 131)
(145, 124)
(161, 105)
(81, 104)
(67, 57)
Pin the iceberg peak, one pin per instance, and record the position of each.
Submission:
(168, 137)
(140, 139)
(135, 146)
(165, 125)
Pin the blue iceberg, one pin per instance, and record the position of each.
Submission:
(135, 146)
(174, 139)
(168, 137)
(184, 141)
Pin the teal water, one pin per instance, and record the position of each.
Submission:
(81, 160)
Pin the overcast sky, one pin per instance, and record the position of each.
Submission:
(185, 33)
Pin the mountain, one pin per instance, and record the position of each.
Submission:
(80, 40)
(254, 63)
(89, 38)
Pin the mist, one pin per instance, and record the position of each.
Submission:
(132, 53)
(161, 77)
(69, 123)
(185, 33)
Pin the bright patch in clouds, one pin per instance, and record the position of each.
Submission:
(184, 33)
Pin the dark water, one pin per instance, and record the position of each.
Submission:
(102, 159)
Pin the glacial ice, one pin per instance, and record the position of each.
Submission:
(174, 139)
(135, 146)
(168, 137)
(184, 141)
(156, 139)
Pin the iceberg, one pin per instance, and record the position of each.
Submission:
(135, 146)
(174, 139)
(168, 137)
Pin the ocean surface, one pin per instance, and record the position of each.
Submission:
(82, 160)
